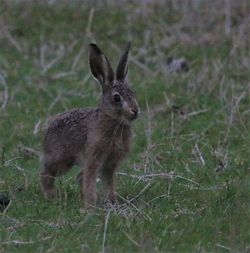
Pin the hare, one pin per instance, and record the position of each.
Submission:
(96, 138)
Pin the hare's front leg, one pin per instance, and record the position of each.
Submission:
(88, 185)
(108, 175)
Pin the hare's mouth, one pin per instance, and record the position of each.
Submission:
(131, 115)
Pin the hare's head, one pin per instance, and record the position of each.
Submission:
(118, 100)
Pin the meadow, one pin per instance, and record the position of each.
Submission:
(185, 186)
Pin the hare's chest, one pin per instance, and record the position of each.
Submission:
(112, 142)
(120, 144)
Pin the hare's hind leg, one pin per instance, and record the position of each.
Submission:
(52, 169)
(47, 178)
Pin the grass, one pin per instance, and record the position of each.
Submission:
(185, 186)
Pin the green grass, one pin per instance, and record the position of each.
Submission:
(194, 126)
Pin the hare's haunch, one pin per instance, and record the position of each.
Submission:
(98, 137)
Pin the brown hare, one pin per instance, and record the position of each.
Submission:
(96, 138)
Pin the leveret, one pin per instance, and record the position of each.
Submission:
(97, 139)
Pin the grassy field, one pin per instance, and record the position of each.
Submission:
(185, 186)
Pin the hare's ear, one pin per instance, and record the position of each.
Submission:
(122, 68)
(100, 66)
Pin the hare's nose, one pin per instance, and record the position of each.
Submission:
(134, 111)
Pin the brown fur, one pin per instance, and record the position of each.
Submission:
(96, 138)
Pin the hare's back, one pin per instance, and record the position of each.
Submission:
(67, 132)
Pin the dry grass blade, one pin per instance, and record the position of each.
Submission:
(5, 93)
(149, 140)
(37, 127)
(77, 59)
(187, 179)
(48, 65)
(18, 242)
(105, 231)
(131, 239)
(141, 192)
(223, 247)
(200, 156)
(9, 37)
(145, 177)
(29, 152)
(89, 24)
(196, 112)
(138, 211)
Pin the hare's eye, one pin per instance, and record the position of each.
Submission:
(117, 98)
